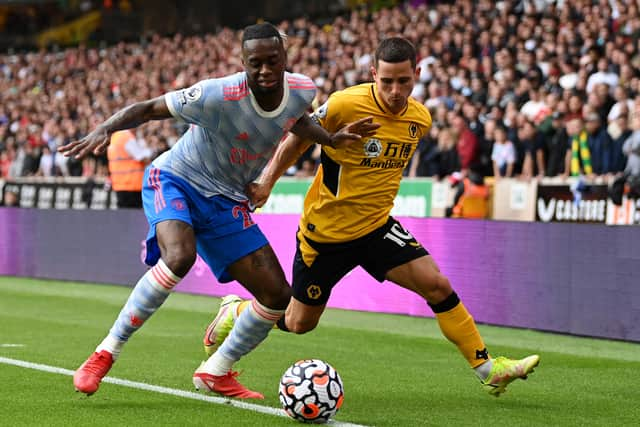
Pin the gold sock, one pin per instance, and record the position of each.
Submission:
(458, 326)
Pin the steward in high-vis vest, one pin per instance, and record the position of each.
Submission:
(471, 199)
(127, 161)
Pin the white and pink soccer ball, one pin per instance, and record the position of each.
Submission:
(311, 391)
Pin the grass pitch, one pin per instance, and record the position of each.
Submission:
(397, 371)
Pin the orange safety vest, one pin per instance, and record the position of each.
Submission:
(126, 172)
(474, 201)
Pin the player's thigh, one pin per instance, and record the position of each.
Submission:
(234, 248)
(176, 236)
(301, 317)
(261, 274)
(237, 251)
(388, 247)
(394, 254)
(423, 277)
(171, 236)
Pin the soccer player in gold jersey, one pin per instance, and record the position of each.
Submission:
(346, 220)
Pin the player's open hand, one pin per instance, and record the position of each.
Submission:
(354, 131)
(95, 142)
(258, 194)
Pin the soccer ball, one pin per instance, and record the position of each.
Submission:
(311, 391)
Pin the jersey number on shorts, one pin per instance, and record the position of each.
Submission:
(246, 218)
(398, 235)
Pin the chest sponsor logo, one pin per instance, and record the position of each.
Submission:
(383, 164)
(240, 156)
(395, 155)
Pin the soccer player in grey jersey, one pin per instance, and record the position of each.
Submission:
(195, 202)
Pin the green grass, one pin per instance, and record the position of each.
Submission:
(397, 370)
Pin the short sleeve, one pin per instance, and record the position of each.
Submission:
(199, 104)
(328, 114)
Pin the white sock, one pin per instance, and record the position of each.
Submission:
(112, 345)
(217, 364)
(483, 370)
(153, 288)
(250, 328)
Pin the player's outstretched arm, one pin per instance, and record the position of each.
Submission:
(98, 140)
(308, 129)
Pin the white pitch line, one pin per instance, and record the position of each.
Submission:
(166, 390)
(8, 345)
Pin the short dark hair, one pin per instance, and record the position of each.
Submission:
(396, 49)
(264, 30)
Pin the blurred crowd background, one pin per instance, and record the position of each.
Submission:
(515, 88)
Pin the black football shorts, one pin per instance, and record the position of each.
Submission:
(377, 252)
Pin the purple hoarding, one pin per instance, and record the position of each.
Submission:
(572, 278)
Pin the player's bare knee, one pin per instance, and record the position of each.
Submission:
(301, 327)
(277, 298)
(441, 288)
(179, 260)
(436, 287)
(443, 284)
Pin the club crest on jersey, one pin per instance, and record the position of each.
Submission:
(372, 148)
(193, 93)
(413, 129)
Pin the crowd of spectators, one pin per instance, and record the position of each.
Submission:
(516, 88)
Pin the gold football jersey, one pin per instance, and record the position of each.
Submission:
(353, 192)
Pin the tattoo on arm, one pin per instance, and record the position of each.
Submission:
(137, 114)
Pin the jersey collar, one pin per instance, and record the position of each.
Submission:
(378, 100)
(277, 111)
